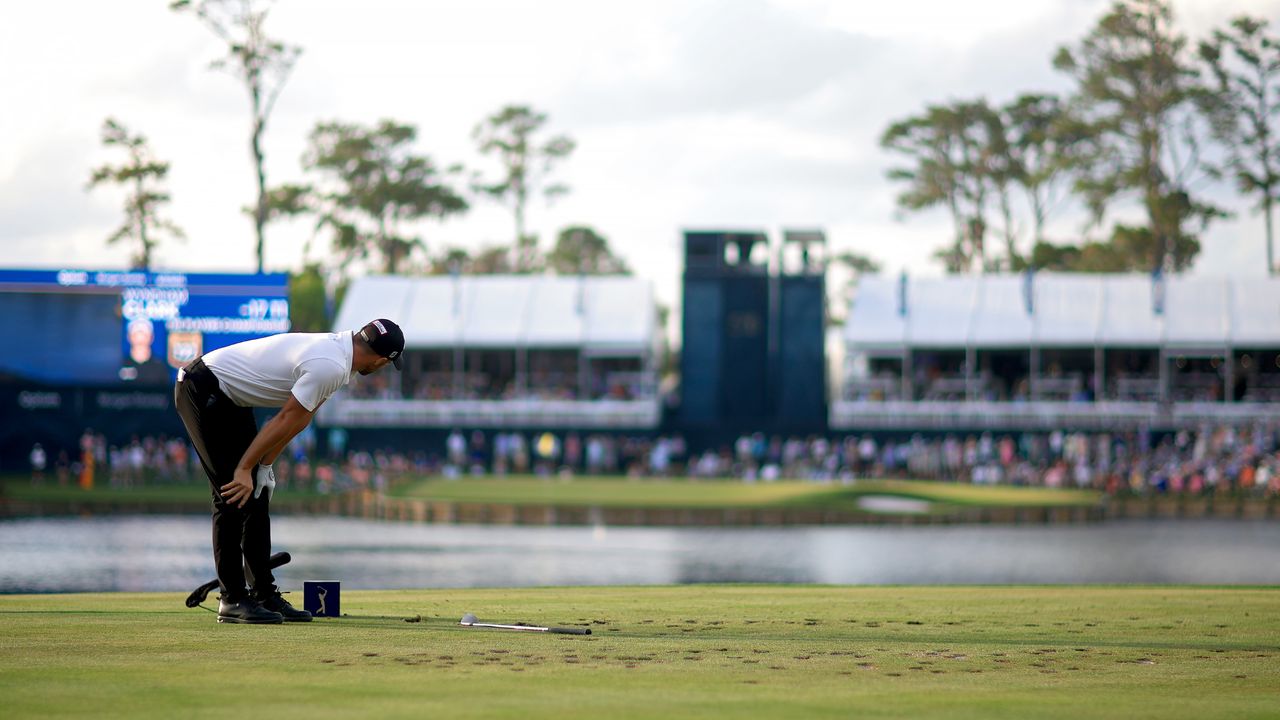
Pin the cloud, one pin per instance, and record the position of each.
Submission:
(750, 112)
(711, 59)
(44, 196)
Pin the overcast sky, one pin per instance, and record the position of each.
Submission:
(738, 114)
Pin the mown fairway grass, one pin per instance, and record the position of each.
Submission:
(621, 492)
(690, 651)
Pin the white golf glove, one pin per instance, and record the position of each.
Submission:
(265, 477)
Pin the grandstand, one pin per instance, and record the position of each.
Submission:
(507, 351)
(1059, 351)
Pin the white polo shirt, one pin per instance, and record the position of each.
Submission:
(266, 371)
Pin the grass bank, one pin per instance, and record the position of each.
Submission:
(622, 492)
(186, 497)
(624, 501)
(689, 651)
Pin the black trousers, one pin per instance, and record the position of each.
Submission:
(221, 431)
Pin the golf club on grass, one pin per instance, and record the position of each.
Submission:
(469, 620)
(199, 595)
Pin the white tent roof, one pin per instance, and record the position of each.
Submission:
(1000, 314)
(951, 311)
(622, 312)
(1128, 317)
(1255, 312)
(1196, 312)
(1067, 310)
(610, 313)
(495, 313)
(875, 312)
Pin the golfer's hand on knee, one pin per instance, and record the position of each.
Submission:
(239, 489)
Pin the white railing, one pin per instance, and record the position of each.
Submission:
(603, 414)
(1189, 413)
(1041, 415)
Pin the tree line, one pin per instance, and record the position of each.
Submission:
(368, 187)
(1151, 119)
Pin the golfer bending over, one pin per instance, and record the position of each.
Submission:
(215, 397)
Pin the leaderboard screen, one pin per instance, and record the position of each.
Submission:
(87, 326)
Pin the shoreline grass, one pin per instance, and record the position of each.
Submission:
(609, 492)
(682, 651)
(175, 494)
(656, 493)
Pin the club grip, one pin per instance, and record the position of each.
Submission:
(570, 631)
(198, 595)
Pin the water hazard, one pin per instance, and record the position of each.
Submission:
(172, 553)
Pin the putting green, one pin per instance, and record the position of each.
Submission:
(611, 492)
(621, 492)
(700, 651)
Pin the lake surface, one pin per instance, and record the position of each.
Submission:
(172, 553)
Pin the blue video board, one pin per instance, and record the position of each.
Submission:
(108, 326)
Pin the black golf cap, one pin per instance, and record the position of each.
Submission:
(386, 339)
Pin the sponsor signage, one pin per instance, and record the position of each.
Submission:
(39, 400)
(111, 400)
(169, 319)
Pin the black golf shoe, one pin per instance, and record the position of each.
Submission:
(246, 610)
(275, 602)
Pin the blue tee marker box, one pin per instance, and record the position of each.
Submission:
(322, 598)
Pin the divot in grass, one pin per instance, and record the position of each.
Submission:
(1238, 681)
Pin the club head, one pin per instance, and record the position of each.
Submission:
(468, 619)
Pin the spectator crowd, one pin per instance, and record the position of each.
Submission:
(481, 386)
(1234, 459)
(161, 460)
(1208, 460)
